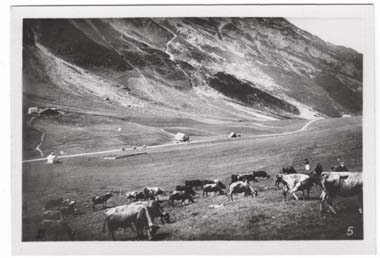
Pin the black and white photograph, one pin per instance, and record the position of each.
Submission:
(194, 127)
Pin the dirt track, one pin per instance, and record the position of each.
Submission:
(162, 146)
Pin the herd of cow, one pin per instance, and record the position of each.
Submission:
(144, 206)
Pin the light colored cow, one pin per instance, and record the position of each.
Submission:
(137, 214)
(293, 183)
(344, 184)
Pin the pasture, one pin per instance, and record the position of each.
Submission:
(265, 217)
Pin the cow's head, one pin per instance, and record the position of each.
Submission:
(278, 179)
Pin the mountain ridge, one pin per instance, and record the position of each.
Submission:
(170, 64)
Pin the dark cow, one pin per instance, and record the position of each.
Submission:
(101, 199)
(344, 184)
(288, 170)
(180, 196)
(185, 188)
(260, 173)
(195, 184)
(214, 188)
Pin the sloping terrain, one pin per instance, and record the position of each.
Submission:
(265, 217)
(155, 65)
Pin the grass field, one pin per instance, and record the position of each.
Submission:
(265, 217)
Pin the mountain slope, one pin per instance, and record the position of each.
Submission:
(224, 68)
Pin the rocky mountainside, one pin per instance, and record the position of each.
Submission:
(261, 68)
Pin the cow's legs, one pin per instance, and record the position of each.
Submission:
(322, 201)
(329, 203)
(295, 196)
(284, 192)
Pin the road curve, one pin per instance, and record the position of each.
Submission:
(303, 128)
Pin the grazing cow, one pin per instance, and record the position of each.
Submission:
(215, 188)
(51, 229)
(137, 214)
(344, 184)
(260, 174)
(185, 188)
(51, 204)
(194, 183)
(241, 187)
(101, 199)
(293, 183)
(289, 170)
(180, 195)
(152, 192)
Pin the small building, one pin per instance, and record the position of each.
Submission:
(182, 137)
(49, 111)
(232, 135)
(33, 110)
(51, 158)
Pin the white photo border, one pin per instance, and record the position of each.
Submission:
(365, 12)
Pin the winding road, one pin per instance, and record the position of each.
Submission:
(303, 128)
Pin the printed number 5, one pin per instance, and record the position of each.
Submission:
(350, 231)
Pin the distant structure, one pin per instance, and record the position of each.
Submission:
(32, 110)
(49, 111)
(232, 135)
(181, 137)
(51, 158)
(43, 111)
